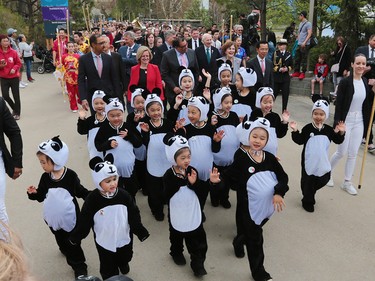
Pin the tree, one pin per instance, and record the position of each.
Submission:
(196, 11)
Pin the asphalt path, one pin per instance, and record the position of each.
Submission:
(336, 242)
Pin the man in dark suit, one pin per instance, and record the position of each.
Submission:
(369, 52)
(171, 64)
(282, 64)
(207, 56)
(96, 72)
(10, 161)
(118, 67)
(194, 42)
(262, 66)
(128, 54)
(169, 36)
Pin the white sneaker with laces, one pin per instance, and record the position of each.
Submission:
(24, 83)
(349, 188)
(330, 183)
(22, 86)
(371, 148)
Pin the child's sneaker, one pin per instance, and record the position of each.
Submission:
(371, 148)
(349, 188)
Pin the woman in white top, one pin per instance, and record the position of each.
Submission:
(26, 51)
(353, 108)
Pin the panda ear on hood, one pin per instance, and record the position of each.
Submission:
(145, 93)
(168, 138)
(180, 69)
(57, 139)
(109, 158)
(95, 161)
(219, 62)
(246, 123)
(132, 88)
(107, 99)
(156, 91)
(316, 97)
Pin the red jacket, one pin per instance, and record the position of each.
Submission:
(153, 78)
(12, 62)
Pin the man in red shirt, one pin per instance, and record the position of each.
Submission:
(60, 46)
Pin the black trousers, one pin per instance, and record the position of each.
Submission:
(300, 61)
(155, 197)
(253, 238)
(140, 169)
(283, 88)
(13, 84)
(129, 184)
(311, 184)
(220, 194)
(196, 244)
(73, 253)
(111, 263)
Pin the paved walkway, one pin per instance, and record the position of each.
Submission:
(334, 243)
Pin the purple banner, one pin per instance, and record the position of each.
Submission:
(54, 13)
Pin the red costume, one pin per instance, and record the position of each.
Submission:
(70, 63)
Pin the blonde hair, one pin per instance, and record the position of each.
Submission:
(140, 52)
(13, 261)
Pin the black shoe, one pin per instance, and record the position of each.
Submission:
(226, 204)
(238, 247)
(159, 216)
(308, 207)
(80, 272)
(200, 272)
(179, 259)
(125, 269)
(215, 202)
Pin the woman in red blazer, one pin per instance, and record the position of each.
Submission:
(145, 75)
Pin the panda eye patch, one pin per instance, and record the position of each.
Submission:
(55, 146)
(98, 167)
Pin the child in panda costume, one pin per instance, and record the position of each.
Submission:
(203, 141)
(181, 189)
(57, 189)
(119, 138)
(224, 120)
(186, 80)
(278, 128)
(261, 185)
(154, 127)
(316, 138)
(138, 103)
(244, 96)
(113, 216)
(90, 126)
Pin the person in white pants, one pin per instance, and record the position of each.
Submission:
(352, 107)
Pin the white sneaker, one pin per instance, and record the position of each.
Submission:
(349, 188)
(22, 86)
(330, 183)
(333, 94)
(24, 83)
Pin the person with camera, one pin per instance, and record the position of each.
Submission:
(369, 52)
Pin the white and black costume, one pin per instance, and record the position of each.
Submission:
(185, 214)
(123, 154)
(60, 206)
(157, 162)
(315, 163)
(257, 183)
(202, 145)
(90, 127)
(113, 218)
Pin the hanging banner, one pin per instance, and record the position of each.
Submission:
(54, 13)
(54, 3)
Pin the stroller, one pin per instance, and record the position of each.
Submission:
(47, 60)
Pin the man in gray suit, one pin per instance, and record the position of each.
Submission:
(170, 68)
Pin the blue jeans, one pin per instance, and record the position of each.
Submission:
(28, 62)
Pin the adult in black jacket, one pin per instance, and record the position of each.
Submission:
(10, 161)
(207, 61)
(89, 78)
(353, 108)
(264, 79)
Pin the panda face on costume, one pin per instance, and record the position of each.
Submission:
(56, 150)
(323, 105)
(150, 100)
(102, 169)
(198, 108)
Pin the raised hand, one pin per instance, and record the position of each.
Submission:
(82, 113)
(179, 124)
(214, 120)
(293, 125)
(144, 127)
(341, 127)
(192, 177)
(285, 116)
(214, 175)
(32, 190)
(218, 136)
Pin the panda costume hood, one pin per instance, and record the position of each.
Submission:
(219, 96)
(98, 94)
(223, 66)
(186, 72)
(323, 105)
(263, 91)
(57, 150)
(173, 144)
(113, 104)
(102, 169)
(135, 92)
(153, 97)
(249, 77)
(202, 104)
(244, 129)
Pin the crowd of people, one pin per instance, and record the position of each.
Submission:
(182, 115)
